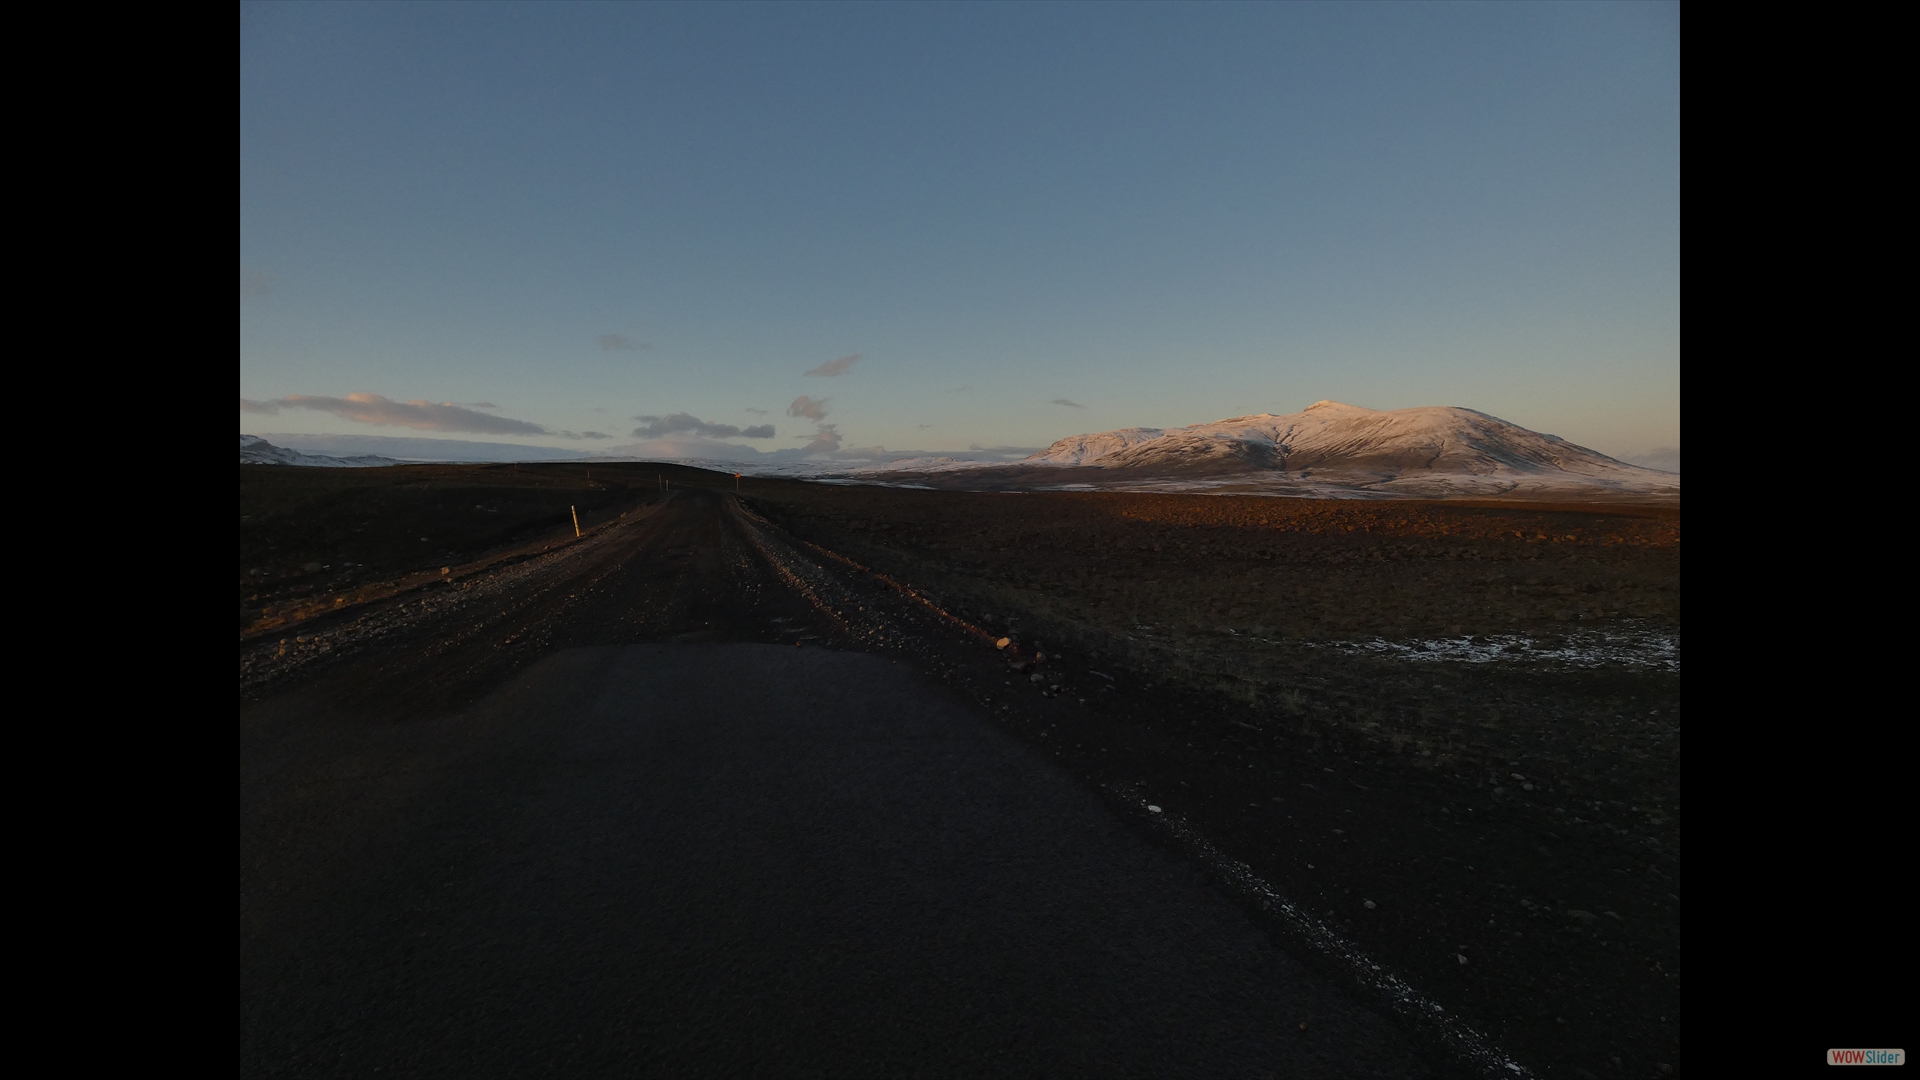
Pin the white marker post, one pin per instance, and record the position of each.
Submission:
(576, 521)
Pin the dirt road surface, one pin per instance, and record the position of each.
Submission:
(668, 801)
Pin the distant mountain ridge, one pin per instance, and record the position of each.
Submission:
(255, 450)
(1329, 449)
(1330, 434)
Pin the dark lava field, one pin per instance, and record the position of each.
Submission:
(1450, 731)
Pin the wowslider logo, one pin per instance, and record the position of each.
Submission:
(1866, 1057)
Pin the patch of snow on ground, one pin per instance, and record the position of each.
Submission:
(1634, 646)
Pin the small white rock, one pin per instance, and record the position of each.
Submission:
(1153, 808)
(1370, 905)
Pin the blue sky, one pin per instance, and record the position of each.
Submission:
(571, 216)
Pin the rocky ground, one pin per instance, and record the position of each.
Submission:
(1490, 695)
(308, 533)
(1442, 737)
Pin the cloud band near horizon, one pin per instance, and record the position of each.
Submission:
(654, 427)
(420, 415)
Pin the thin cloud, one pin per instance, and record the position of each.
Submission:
(576, 435)
(1068, 404)
(621, 343)
(836, 367)
(809, 407)
(757, 412)
(826, 440)
(480, 404)
(256, 284)
(366, 408)
(1660, 457)
(655, 427)
(959, 389)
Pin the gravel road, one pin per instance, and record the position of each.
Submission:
(649, 812)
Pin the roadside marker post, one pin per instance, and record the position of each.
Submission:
(576, 521)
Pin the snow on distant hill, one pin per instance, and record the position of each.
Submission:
(1332, 449)
(1084, 449)
(257, 451)
(1328, 450)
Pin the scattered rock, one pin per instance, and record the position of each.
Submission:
(1462, 957)
(1036, 677)
(1002, 643)
(1370, 905)
(1587, 918)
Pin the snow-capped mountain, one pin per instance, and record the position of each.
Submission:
(1329, 450)
(257, 451)
(1083, 449)
(1430, 450)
